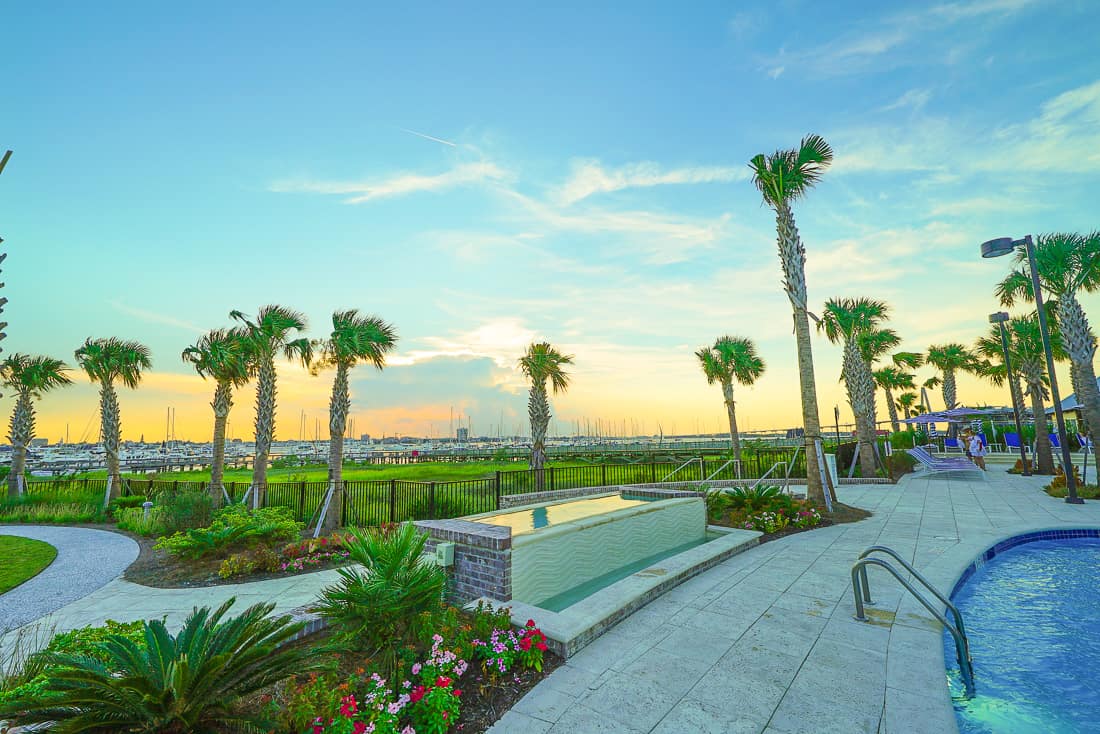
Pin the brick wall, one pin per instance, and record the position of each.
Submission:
(483, 558)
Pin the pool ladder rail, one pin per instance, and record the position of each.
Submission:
(862, 591)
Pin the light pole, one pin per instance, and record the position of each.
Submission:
(1000, 318)
(1003, 246)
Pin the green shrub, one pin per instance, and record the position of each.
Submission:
(127, 501)
(182, 509)
(261, 558)
(190, 682)
(233, 526)
(375, 603)
(31, 510)
(899, 463)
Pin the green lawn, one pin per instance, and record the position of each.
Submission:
(23, 559)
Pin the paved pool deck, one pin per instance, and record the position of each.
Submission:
(767, 642)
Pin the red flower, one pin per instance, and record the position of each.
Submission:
(443, 681)
(417, 693)
(530, 623)
(525, 643)
(348, 709)
(457, 692)
(359, 728)
(541, 646)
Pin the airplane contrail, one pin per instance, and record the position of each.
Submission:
(429, 137)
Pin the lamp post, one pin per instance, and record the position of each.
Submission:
(1000, 318)
(1003, 246)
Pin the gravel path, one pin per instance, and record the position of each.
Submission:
(86, 560)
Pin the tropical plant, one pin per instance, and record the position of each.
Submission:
(223, 355)
(782, 178)
(731, 358)
(31, 377)
(992, 366)
(191, 682)
(233, 526)
(106, 361)
(844, 321)
(950, 359)
(908, 403)
(268, 335)
(890, 378)
(542, 362)
(377, 599)
(1067, 264)
(354, 339)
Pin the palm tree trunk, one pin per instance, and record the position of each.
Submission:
(538, 411)
(223, 401)
(792, 257)
(949, 393)
(1018, 396)
(1080, 345)
(731, 413)
(1044, 457)
(339, 406)
(895, 424)
(22, 431)
(265, 428)
(857, 375)
(111, 426)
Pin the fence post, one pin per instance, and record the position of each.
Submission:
(431, 501)
(550, 471)
(497, 485)
(393, 500)
(702, 470)
(603, 475)
(301, 499)
(653, 472)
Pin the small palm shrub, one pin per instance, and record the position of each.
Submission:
(378, 597)
(233, 526)
(192, 682)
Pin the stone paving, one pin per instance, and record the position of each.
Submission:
(766, 641)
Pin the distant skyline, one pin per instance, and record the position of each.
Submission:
(484, 177)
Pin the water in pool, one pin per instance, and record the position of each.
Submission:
(530, 520)
(1033, 618)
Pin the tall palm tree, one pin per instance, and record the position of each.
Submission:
(223, 355)
(354, 339)
(783, 177)
(950, 359)
(992, 366)
(1067, 264)
(844, 321)
(542, 362)
(268, 335)
(731, 358)
(908, 403)
(874, 345)
(106, 361)
(31, 377)
(890, 378)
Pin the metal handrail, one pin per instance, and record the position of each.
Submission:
(787, 474)
(718, 471)
(908, 567)
(962, 647)
(769, 471)
(689, 462)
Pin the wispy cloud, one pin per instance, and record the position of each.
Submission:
(152, 317)
(400, 184)
(429, 137)
(915, 99)
(590, 177)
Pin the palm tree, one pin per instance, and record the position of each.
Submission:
(844, 321)
(891, 378)
(950, 359)
(542, 362)
(782, 178)
(1067, 264)
(354, 339)
(908, 403)
(993, 368)
(223, 355)
(268, 335)
(31, 377)
(106, 361)
(731, 358)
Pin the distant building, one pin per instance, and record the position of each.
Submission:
(462, 434)
(39, 442)
(365, 438)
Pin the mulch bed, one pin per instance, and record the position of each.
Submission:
(482, 709)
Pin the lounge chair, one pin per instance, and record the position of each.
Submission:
(934, 465)
(1012, 441)
(952, 444)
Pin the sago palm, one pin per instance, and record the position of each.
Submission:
(890, 378)
(271, 333)
(844, 321)
(31, 377)
(355, 339)
(782, 178)
(222, 354)
(107, 361)
(541, 363)
(1067, 264)
(731, 358)
(189, 683)
(950, 359)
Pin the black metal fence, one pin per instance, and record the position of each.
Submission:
(372, 502)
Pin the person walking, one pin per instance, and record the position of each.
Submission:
(977, 450)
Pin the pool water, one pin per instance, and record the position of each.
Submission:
(530, 520)
(1032, 614)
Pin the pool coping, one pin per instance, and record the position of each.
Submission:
(907, 650)
(569, 630)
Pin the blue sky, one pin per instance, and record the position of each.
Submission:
(486, 175)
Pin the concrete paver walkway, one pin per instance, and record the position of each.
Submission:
(766, 642)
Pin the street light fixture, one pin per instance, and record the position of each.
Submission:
(1003, 246)
(1000, 319)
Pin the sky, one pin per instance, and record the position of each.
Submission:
(483, 176)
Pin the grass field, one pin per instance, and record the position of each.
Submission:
(23, 559)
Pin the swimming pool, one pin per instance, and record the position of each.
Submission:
(1032, 610)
